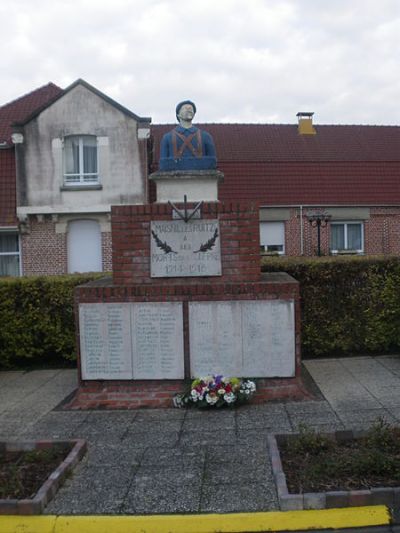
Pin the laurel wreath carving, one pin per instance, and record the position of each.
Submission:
(163, 245)
(209, 244)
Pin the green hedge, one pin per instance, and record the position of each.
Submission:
(350, 305)
(37, 320)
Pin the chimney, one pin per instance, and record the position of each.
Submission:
(305, 125)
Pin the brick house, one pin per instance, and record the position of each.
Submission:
(67, 155)
(349, 175)
(10, 245)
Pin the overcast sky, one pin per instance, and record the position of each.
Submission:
(240, 61)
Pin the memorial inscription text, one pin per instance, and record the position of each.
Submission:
(131, 341)
(182, 249)
(242, 338)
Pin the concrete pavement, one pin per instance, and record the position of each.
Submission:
(188, 461)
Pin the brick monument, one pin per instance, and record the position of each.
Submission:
(187, 297)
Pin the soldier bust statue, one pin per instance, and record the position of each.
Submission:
(187, 147)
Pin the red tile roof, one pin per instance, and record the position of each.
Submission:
(315, 183)
(21, 108)
(14, 111)
(350, 165)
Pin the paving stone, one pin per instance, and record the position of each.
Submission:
(182, 457)
(356, 404)
(151, 439)
(110, 432)
(236, 473)
(322, 428)
(104, 418)
(55, 425)
(159, 474)
(273, 423)
(91, 488)
(163, 415)
(209, 424)
(109, 454)
(309, 407)
(184, 460)
(217, 416)
(395, 412)
(270, 408)
(155, 426)
(390, 401)
(202, 438)
(249, 437)
(232, 498)
(314, 419)
(148, 497)
(364, 418)
(238, 453)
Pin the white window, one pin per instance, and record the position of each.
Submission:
(9, 253)
(347, 237)
(84, 246)
(272, 237)
(80, 160)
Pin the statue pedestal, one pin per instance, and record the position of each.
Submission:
(197, 185)
(185, 299)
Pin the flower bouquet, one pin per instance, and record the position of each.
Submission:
(216, 391)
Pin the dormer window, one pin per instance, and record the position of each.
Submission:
(80, 160)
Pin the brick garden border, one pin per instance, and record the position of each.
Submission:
(389, 496)
(49, 488)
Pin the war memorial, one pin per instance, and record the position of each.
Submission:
(187, 297)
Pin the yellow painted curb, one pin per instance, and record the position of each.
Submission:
(207, 523)
(27, 524)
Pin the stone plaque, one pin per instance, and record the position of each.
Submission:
(105, 341)
(157, 340)
(131, 341)
(242, 338)
(215, 338)
(181, 249)
(268, 338)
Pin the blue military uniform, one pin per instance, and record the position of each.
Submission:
(187, 149)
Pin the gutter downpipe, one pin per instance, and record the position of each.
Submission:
(301, 231)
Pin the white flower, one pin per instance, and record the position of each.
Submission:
(178, 400)
(195, 395)
(229, 397)
(250, 385)
(221, 391)
(211, 399)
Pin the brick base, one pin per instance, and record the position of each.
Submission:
(159, 394)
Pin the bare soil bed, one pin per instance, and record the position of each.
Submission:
(316, 463)
(23, 473)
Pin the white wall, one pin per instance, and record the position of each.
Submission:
(40, 168)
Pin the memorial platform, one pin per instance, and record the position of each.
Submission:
(142, 344)
(186, 299)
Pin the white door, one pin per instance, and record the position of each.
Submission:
(84, 246)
